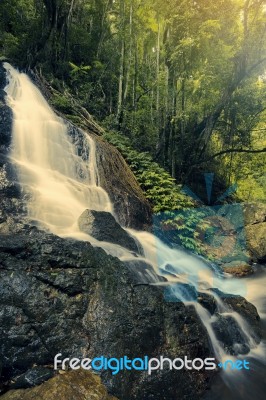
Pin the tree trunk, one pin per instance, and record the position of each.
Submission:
(119, 115)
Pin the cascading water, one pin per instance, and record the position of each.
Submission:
(61, 182)
(62, 185)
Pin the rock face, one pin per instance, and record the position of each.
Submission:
(75, 385)
(255, 219)
(238, 268)
(9, 189)
(60, 295)
(225, 325)
(116, 178)
(103, 227)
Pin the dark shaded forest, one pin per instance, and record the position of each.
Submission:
(178, 86)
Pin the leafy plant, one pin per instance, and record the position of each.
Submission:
(165, 196)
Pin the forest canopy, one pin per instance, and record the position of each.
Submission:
(182, 80)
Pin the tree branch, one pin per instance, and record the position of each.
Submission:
(251, 151)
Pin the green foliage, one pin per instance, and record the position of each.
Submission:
(164, 195)
(78, 73)
(178, 80)
(61, 103)
(159, 187)
(181, 228)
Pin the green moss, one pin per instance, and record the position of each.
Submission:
(62, 104)
(74, 118)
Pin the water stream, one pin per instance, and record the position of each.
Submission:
(62, 181)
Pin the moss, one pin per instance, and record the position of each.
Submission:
(75, 119)
(78, 385)
(62, 104)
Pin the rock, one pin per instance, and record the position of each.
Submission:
(115, 177)
(236, 236)
(61, 295)
(103, 227)
(142, 272)
(5, 113)
(208, 302)
(238, 312)
(255, 230)
(32, 377)
(74, 385)
(256, 237)
(227, 331)
(247, 310)
(130, 205)
(254, 213)
(10, 195)
(238, 268)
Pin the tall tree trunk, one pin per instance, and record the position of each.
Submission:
(158, 70)
(119, 115)
(130, 50)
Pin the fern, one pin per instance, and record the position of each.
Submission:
(163, 193)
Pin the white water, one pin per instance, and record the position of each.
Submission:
(61, 184)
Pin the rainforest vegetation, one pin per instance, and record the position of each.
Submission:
(179, 86)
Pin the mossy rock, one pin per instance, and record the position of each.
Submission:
(78, 385)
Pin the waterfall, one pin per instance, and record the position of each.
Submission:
(60, 182)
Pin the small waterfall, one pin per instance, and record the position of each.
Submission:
(61, 184)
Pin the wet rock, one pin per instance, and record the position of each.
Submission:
(5, 113)
(227, 332)
(33, 377)
(130, 205)
(236, 324)
(102, 226)
(246, 310)
(5, 123)
(61, 295)
(142, 272)
(78, 385)
(116, 178)
(10, 195)
(238, 268)
(208, 302)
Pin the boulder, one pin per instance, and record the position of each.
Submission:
(226, 324)
(115, 176)
(61, 295)
(102, 226)
(254, 213)
(247, 310)
(255, 230)
(143, 272)
(78, 385)
(256, 238)
(238, 268)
